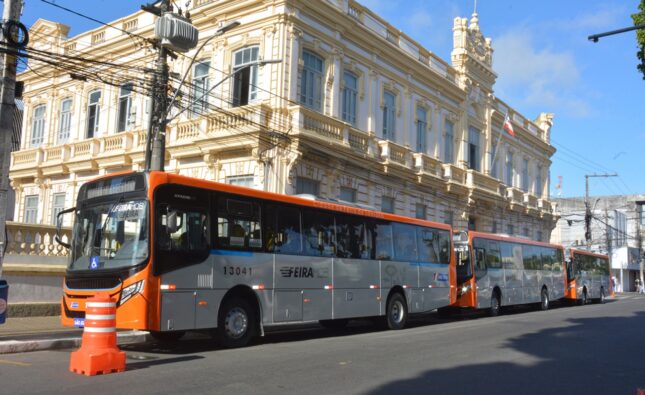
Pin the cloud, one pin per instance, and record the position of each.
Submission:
(595, 20)
(539, 77)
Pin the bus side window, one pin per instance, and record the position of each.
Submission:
(480, 258)
(383, 240)
(493, 258)
(238, 224)
(405, 242)
(349, 237)
(283, 230)
(318, 233)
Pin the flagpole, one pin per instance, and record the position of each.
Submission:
(492, 162)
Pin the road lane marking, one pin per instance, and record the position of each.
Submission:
(6, 362)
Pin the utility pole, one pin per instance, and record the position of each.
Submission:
(156, 142)
(588, 213)
(14, 35)
(173, 32)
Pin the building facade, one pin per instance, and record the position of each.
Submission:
(353, 110)
(617, 229)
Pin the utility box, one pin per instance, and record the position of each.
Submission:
(4, 292)
(176, 33)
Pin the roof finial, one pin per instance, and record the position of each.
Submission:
(474, 21)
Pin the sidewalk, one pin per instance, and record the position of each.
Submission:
(21, 334)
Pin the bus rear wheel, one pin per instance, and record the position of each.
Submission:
(494, 305)
(601, 299)
(396, 312)
(236, 323)
(544, 299)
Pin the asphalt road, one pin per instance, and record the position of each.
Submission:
(593, 349)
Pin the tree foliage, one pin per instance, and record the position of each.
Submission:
(639, 19)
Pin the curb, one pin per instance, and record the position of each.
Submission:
(18, 346)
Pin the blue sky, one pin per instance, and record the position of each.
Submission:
(544, 63)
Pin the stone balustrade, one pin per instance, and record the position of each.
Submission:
(35, 240)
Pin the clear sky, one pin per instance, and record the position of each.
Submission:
(544, 63)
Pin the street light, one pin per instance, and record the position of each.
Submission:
(259, 63)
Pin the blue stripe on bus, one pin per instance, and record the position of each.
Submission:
(231, 253)
(428, 264)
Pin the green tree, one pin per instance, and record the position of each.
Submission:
(639, 19)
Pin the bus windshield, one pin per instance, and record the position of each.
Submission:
(110, 235)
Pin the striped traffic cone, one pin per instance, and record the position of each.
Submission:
(99, 353)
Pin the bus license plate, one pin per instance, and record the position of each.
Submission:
(79, 322)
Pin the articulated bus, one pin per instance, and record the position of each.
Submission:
(182, 254)
(495, 270)
(587, 277)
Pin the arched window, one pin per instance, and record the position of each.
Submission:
(389, 113)
(93, 111)
(350, 92)
(245, 67)
(422, 126)
(448, 142)
(38, 126)
(125, 107)
(199, 95)
(311, 81)
(65, 121)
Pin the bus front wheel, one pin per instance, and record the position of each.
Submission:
(235, 323)
(397, 312)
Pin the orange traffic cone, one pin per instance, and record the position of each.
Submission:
(98, 353)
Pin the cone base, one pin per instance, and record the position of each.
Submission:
(92, 363)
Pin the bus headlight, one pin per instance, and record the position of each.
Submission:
(464, 289)
(131, 290)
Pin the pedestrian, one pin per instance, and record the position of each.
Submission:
(637, 285)
(614, 282)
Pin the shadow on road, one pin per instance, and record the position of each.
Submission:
(589, 356)
(198, 342)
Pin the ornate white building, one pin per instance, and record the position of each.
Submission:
(355, 110)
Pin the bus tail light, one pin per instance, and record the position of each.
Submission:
(131, 290)
(258, 287)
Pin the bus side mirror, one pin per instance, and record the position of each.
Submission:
(59, 224)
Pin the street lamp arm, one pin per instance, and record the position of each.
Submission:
(218, 33)
(226, 78)
(596, 37)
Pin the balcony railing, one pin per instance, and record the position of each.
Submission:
(475, 179)
(35, 239)
(426, 164)
(392, 152)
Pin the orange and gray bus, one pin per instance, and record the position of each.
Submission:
(496, 270)
(588, 277)
(181, 254)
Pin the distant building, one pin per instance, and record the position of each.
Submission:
(617, 229)
(356, 110)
